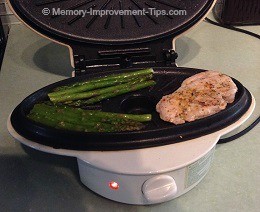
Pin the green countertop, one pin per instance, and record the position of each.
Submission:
(34, 181)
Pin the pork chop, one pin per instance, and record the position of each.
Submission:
(199, 96)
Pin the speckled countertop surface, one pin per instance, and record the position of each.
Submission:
(34, 181)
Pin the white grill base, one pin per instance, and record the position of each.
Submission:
(131, 190)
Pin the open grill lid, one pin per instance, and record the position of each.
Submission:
(112, 41)
(110, 29)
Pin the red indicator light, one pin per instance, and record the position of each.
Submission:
(113, 185)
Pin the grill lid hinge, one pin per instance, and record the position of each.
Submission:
(170, 57)
(104, 58)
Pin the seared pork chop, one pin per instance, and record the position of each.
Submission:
(199, 96)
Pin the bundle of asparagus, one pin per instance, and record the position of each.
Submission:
(95, 90)
(76, 119)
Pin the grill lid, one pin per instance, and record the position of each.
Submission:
(113, 42)
(110, 29)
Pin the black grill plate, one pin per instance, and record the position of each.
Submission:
(156, 133)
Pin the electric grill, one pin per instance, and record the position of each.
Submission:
(153, 165)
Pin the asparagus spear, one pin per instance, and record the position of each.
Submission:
(73, 115)
(109, 77)
(85, 117)
(69, 123)
(60, 124)
(85, 95)
(121, 91)
(99, 115)
(51, 122)
(91, 86)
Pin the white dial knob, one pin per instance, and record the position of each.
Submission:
(159, 189)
